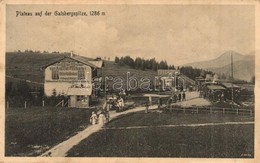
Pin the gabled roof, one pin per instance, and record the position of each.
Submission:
(97, 63)
(215, 87)
(73, 58)
(229, 85)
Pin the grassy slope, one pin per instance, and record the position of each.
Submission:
(209, 141)
(27, 66)
(204, 142)
(115, 71)
(43, 127)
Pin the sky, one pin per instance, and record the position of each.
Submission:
(179, 34)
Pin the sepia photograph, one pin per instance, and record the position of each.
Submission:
(130, 80)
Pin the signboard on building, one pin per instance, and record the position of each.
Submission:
(67, 71)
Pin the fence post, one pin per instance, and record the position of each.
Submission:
(7, 104)
(184, 110)
(25, 104)
(42, 103)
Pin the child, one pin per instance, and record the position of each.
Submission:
(93, 118)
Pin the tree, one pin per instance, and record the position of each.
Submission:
(138, 63)
(121, 61)
(116, 60)
(128, 61)
(172, 67)
(154, 64)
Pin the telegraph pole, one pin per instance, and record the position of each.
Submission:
(232, 89)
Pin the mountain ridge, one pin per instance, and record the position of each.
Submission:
(243, 65)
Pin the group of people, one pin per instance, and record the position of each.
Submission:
(178, 97)
(108, 104)
(117, 102)
(98, 119)
(103, 116)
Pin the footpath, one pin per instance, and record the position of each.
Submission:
(61, 149)
(193, 99)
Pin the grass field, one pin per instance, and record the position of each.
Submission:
(31, 131)
(17, 66)
(220, 141)
(27, 65)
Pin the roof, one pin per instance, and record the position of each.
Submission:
(78, 59)
(229, 85)
(155, 95)
(97, 63)
(162, 72)
(215, 87)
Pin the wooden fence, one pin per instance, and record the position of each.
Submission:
(211, 110)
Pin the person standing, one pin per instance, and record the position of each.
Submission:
(93, 118)
(101, 118)
(175, 98)
(146, 107)
(183, 96)
(109, 105)
(104, 107)
(107, 115)
(159, 103)
(179, 97)
(169, 102)
(223, 97)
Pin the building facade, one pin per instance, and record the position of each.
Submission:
(70, 77)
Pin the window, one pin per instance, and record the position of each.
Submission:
(79, 98)
(55, 74)
(81, 74)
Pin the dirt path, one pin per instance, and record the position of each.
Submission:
(61, 149)
(193, 99)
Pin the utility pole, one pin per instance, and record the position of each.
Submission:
(232, 89)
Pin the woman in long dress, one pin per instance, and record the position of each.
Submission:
(93, 118)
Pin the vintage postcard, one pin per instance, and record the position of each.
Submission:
(121, 81)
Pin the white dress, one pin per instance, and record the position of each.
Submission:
(101, 119)
(93, 119)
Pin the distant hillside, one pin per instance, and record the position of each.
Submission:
(244, 66)
(27, 66)
(222, 60)
(243, 70)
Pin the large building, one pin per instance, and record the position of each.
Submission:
(71, 76)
